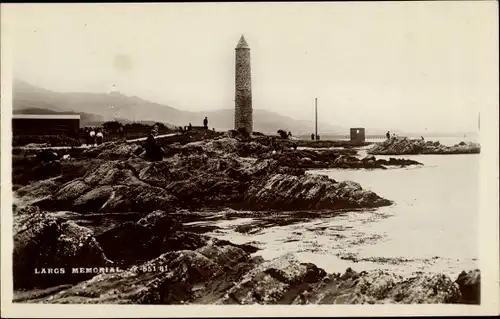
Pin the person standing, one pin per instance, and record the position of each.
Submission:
(92, 137)
(312, 136)
(205, 123)
(388, 135)
(121, 132)
(99, 137)
(153, 151)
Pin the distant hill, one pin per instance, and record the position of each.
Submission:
(99, 107)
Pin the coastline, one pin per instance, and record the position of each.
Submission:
(266, 181)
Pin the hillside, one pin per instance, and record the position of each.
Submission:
(99, 107)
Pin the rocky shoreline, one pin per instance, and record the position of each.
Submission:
(61, 221)
(405, 146)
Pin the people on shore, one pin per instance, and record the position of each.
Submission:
(205, 123)
(99, 137)
(388, 135)
(271, 144)
(153, 151)
(92, 137)
(421, 137)
(190, 126)
(317, 137)
(312, 136)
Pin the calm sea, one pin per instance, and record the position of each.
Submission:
(432, 226)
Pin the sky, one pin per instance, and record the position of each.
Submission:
(410, 66)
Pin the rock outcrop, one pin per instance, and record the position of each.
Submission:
(163, 263)
(470, 286)
(281, 191)
(133, 243)
(113, 150)
(323, 159)
(42, 241)
(225, 274)
(38, 190)
(198, 180)
(113, 186)
(405, 146)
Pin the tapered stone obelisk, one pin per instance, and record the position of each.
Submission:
(243, 114)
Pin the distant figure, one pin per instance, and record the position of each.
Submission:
(99, 138)
(388, 135)
(271, 144)
(153, 152)
(317, 137)
(121, 132)
(393, 136)
(205, 123)
(190, 126)
(312, 136)
(289, 134)
(92, 137)
(422, 138)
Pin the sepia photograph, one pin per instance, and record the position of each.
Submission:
(290, 154)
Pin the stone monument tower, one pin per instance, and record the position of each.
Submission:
(243, 88)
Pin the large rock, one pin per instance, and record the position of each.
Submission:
(172, 278)
(222, 145)
(309, 192)
(275, 281)
(138, 199)
(93, 200)
(156, 174)
(470, 286)
(132, 243)
(402, 146)
(121, 150)
(115, 186)
(113, 151)
(206, 190)
(379, 287)
(113, 173)
(225, 274)
(41, 241)
(333, 158)
(219, 179)
(72, 190)
(38, 190)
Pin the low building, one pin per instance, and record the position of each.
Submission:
(46, 124)
(358, 135)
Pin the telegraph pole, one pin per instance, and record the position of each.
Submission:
(316, 115)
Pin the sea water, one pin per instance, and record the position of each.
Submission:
(432, 225)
